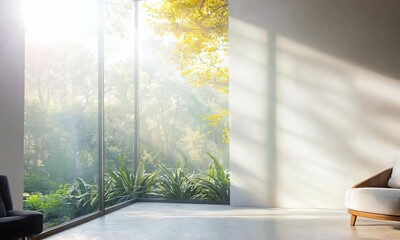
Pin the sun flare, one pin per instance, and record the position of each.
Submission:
(55, 20)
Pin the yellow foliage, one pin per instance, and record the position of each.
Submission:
(225, 136)
(215, 118)
(201, 30)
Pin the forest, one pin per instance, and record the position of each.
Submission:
(183, 113)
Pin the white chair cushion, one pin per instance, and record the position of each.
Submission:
(374, 200)
(394, 180)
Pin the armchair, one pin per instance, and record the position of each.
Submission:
(373, 198)
(13, 223)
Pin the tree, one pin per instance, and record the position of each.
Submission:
(200, 30)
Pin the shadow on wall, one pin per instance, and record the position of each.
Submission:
(331, 81)
(362, 32)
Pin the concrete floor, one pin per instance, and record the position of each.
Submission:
(164, 221)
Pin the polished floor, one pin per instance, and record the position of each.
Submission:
(164, 221)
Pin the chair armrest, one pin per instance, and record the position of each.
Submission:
(31, 221)
(24, 213)
(379, 180)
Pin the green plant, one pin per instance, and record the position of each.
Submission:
(177, 184)
(122, 184)
(80, 198)
(53, 205)
(83, 198)
(215, 185)
(33, 202)
(36, 184)
(54, 208)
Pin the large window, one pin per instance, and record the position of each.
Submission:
(124, 103)
(61, 127)
(183, 97)
(119, 101)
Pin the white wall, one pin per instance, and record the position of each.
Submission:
(314, 98)
(12, 97)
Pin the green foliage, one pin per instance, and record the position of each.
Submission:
(67, 202)
(39, 184)
(33, 202)
(150, 160)
(215, 185)
(122, 184)
(52, 205)
(177, 184)
(82, 198)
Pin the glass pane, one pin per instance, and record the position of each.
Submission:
(61, 102)
(119, 102)
(183, 98)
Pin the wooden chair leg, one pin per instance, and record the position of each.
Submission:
(353, 220)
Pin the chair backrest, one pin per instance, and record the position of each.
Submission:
(5, 193)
